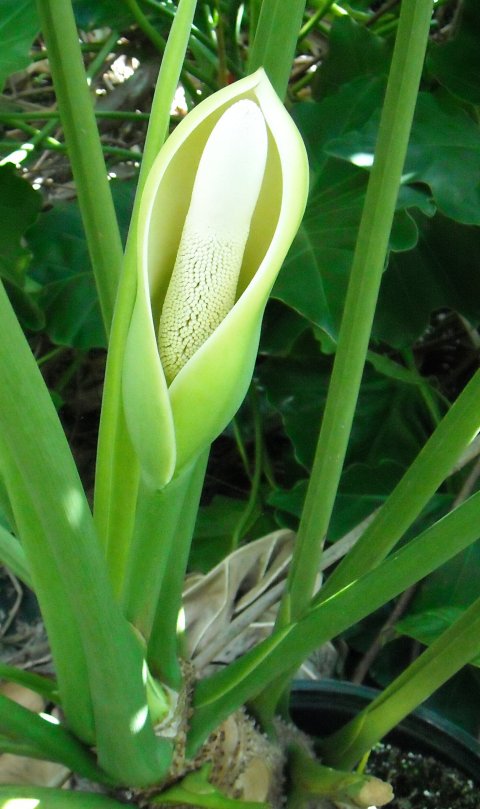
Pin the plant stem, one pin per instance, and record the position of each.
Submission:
(455, 647)
(244, 521)
(421, 480)
(310, 779)
(222, 693)
(117, 466)
(366, 273)
(425, 390)
(85, 151)
(164, 643)
(156, 521)
(319, 14)
(275, 40)
(50, 741)
(145, 25)
(158, 41)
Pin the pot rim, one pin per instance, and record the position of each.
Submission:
(423, 731)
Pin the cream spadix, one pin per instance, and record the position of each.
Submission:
(219, 210)
(204, 280)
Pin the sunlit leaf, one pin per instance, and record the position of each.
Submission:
(443, 153)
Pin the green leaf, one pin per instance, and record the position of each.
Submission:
(353, 51)
(391, 420)
(19, 26)
(98, 13)
(281, 328)
(26, 306)
(443, 595)
(61, 266)
(427, 626)
(32, 797)
(456, 62)
(19, 208)
(444, 153)
(214, 529)
(314, 276)
(441, 271)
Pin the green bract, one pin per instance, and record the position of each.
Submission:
(170, 425)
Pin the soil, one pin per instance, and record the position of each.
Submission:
(422, 782)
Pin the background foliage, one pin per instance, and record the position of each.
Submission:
(425, 340)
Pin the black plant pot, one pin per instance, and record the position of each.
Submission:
(320, 708)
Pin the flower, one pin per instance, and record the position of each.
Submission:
(220, 208)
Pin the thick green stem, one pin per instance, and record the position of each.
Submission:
(164, 646)
(156, 521)
(275, 40)
(419, 483)
(367, 268)
(318, 15)
(311, 780)
(56, 528)
(57, 612)
(84, 148)
(117, 466)
(456, 647)
(47, 740)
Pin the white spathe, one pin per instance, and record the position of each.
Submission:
(171, 421)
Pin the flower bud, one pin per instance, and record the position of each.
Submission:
(219, 210)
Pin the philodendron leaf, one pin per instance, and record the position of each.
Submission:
(353, 51)
(441, 271)
(443, 153)
(19, 26)
(98, 13)
(61, 267)
(391, 421)
(314, 277)
(19, 208)
(456, 62)
(32, 797)
(425, 627)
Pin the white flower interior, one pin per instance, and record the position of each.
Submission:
(204, 280)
